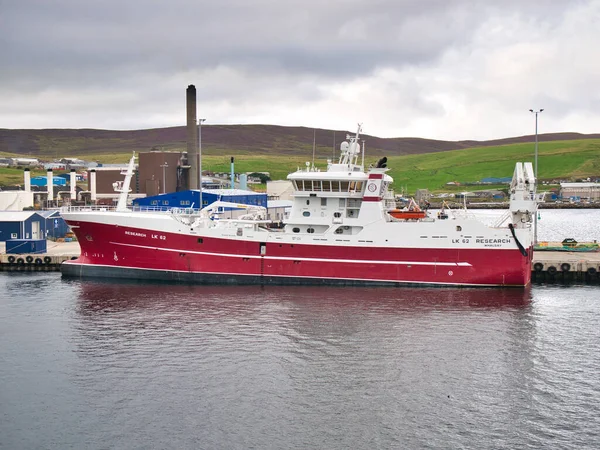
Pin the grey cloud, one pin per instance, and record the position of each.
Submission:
(299, 37)
(255, 55)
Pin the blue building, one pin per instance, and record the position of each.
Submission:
(22, 225)
(55, 224)
(43, 181)
(191, 198)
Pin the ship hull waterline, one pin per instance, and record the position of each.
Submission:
(200, 259)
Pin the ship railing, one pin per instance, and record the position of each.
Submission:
(153, 209)
(462, 214)
(502, 219)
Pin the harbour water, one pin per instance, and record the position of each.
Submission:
(95, 365)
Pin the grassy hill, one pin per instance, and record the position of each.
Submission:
(231, 139)
(414, 163)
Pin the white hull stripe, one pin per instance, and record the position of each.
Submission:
(292, 276)
(287, 258)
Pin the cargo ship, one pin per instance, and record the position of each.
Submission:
(339, 232)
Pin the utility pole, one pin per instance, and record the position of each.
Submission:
(200, 158)
(535, 172)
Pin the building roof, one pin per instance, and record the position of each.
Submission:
(15, 216)
(579, 185)
(49, 213)
(228, 192)
(279, 204)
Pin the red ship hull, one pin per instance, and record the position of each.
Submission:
(142, 254)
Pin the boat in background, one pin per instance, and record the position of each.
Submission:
(567, 245)
(339, 232)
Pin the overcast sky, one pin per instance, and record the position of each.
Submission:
(446, 69)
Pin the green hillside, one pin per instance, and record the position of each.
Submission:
(557, 160)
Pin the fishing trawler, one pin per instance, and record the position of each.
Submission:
(339, 232)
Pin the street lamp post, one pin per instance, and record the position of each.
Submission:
(536, 140)
(535, 172)
(164, 180)
(200, 158)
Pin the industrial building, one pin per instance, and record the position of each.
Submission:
(43, 181)
(56, 227)
(582, 191)
(157, 175)
(22, 225)
(280, 190)
(191, 199)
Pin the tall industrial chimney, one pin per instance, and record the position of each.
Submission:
(73, 183)
(50, 184)
(192, 137)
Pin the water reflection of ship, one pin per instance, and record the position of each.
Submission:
(98, 297)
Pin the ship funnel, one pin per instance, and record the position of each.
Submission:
(50, 184)
(73, 183)
(93, 185)
(27, 180)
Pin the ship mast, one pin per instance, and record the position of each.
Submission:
(124, 188)
(351, 150)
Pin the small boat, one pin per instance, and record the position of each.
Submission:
(411, 212)
(407, 215)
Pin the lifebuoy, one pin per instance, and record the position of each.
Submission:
(565, 267)
(11, 259)
(38, 261)
(20, 261)
(591, 271)
(538, 267)
(551, 270)
(29, 259)
(47, 259)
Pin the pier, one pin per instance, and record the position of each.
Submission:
(566, 267)
(50, 261)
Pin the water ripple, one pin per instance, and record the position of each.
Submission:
(114, 365)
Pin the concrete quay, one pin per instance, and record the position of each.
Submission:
(56, 253)
(565, 267)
